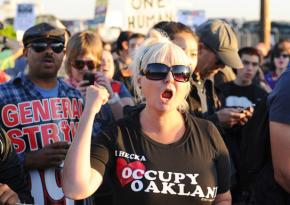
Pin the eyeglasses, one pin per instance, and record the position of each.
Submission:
(159, 71)
(39, 47)
(80, 64)
(246, 63)
(283, 55)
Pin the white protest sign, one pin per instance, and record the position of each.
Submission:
(139, 15)
(191, 18)
(70, 9)
(25, 16)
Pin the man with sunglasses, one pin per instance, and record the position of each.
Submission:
(40, 112)
(218, 47)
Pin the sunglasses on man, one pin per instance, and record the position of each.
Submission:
(80, 64)
(56, 46)
(159, 71)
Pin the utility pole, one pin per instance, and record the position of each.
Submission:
(265, 23)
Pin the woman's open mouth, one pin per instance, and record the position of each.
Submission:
(167, 94)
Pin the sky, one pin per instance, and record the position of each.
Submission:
(244, 9)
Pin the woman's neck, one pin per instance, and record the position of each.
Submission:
(164, 128)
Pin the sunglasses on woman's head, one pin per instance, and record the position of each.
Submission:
(39, 47)
(159, 71)
(80, 64)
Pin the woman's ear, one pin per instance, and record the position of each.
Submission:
(139, 82)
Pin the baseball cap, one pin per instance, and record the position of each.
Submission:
(219, 36)
(43, 31)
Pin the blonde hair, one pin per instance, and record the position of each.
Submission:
(158, 49)
(82, 43)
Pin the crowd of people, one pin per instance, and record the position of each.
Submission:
(159, 118)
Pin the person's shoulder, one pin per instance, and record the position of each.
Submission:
(200, 123)
(226, 85)
(283, 82)
(259, 89)
(205, 131)
(10, 87)
(68, 89)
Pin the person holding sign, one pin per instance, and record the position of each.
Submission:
(160, 154)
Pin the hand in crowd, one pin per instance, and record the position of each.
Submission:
(102, 80)
(248, 114)
(82, 87)
(232, 116)
(96, 96)
(7, 195)
(51, 155)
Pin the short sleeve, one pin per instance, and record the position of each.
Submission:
(102, 147)
(222, 161)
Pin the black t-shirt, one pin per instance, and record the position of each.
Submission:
(190, 171)
(241, 96)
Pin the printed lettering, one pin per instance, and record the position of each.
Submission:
(211, 192)
(40, 110)
(10, 116)
(181, 190)
(198, 192)
(25, 113)
(147, 175)
(66, 108)
(31, 133)
(136, 185)
(167, 188)
(152, 187)
(49, 133)
(193, 178)
(178, 177)
(162, 178)
(15, 137)
(126, 173)
(56, 109)
(138, 174)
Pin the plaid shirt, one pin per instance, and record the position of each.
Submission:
(21, 92)
(21, 89)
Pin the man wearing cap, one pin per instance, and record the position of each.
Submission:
(218, 47)
(40, 113)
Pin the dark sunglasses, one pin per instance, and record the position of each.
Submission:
(282, 55)
(80, 64)
(254, 64)
(39, 47)
(159, 71)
